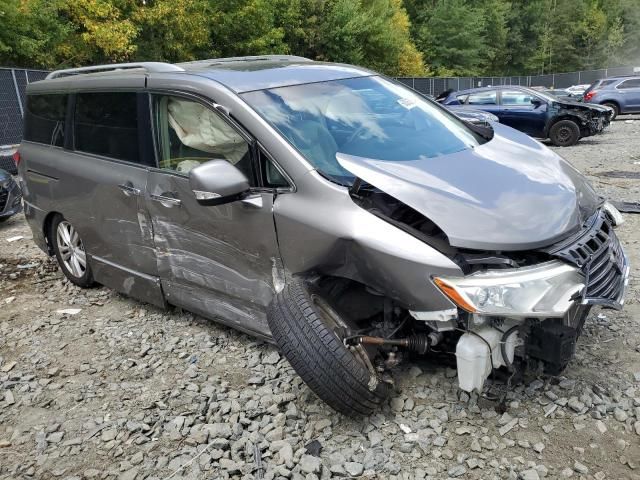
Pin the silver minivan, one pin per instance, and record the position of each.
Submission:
(321, 206)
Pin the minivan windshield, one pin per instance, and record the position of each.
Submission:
(367, 117)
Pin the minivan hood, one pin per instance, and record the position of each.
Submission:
(510, 193)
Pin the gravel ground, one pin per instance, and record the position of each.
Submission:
(122, 390)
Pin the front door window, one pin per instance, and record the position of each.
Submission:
(190, 133)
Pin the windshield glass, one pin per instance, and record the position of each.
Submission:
(367, 117)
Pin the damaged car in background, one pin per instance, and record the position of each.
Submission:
(535, 113)
(323, 207)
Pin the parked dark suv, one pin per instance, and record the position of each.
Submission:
(323, 207)
(535, 113)
(621, 94)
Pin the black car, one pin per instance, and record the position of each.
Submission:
(535, 113)
(10, 196)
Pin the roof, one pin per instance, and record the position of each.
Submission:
(241, 74)
(244, 75)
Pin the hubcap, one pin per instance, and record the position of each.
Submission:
(564, 134)
(71, 249)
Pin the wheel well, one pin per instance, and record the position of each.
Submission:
(614, 102)
(46, 229)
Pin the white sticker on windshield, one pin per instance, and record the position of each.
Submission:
(407, 103)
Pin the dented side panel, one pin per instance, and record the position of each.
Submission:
(320, 229)
(113, 225)
(215, 260)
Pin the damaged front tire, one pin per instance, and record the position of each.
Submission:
(306, 330)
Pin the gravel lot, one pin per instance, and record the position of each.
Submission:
(124, 390)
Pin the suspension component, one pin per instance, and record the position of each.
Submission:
(418, 343)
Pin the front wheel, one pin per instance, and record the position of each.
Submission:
(564, 133)
(70, 253)
(310, 334)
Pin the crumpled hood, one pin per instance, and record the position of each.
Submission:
(583, 106)
(511, 193)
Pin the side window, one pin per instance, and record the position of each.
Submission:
(515, 97)
(482, 98)
(107, 124)
(189, 133)
(633, 83)
(44, 120)
(270, 175)
(462, 98)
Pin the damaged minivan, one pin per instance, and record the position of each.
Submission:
(323, 207)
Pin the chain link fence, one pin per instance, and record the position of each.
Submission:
(436, 85)
(13, 83)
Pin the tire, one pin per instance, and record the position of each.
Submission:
(334, 372)
(564, 133)
(614, 107)
(70, 260)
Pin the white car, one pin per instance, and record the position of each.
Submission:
(577, 89)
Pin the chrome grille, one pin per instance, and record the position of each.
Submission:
(596, 250)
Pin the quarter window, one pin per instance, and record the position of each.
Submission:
(271, 176)
(45, 119)
(107, 124)
(633, 83)
(482, 98)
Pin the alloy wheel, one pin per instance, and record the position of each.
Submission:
(71, 249)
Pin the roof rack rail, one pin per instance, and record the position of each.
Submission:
(151, 67)
(248, 59)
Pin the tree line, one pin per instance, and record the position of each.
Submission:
(410, 37)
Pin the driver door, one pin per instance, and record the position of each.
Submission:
(217, 261)
(518, 111)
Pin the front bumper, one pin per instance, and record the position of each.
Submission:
(10, 201)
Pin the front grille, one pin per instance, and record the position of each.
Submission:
(596, 250)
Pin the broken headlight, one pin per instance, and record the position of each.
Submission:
(545, 290)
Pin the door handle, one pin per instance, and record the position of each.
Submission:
(129, 190)
(166, 201)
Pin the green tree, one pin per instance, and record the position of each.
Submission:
(171, 30)
(452, 36)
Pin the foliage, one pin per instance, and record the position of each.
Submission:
(396, 37)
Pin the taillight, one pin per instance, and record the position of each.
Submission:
(16, 158)
(589, 95)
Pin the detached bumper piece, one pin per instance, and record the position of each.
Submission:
(597, 251)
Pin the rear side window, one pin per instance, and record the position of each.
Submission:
(632, 83)
(107, 124)
(44, 120)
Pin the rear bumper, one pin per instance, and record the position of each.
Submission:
(35, 218)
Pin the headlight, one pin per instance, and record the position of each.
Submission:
(543, 290)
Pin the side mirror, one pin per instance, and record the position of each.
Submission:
(536, 102)
(217, 182)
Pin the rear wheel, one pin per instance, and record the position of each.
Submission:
(310, 334)
(614, 107)
(564, 133)
(70, 253)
